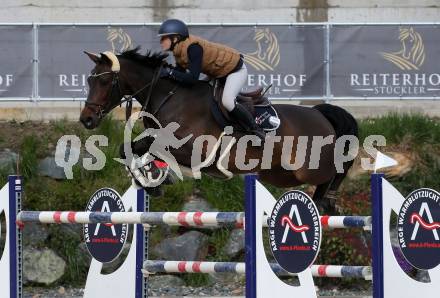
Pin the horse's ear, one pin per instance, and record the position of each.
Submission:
(94, 57)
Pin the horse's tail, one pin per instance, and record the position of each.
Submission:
(344, 124)
(342, 121)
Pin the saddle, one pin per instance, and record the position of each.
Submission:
(253, 100)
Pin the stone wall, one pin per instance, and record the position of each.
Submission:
(219, 11)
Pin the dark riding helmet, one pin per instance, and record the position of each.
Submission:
(173, 27)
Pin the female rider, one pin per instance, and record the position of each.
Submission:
(195, 55)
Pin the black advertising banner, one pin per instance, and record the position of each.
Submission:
(385, 61)
(16, 60)
(365, 61)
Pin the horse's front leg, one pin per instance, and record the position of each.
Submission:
(139, 147)
(147, 168)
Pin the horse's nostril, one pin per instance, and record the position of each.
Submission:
(87, 122)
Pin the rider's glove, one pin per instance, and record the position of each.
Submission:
(166, 72)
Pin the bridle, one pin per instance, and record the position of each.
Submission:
(103, 109)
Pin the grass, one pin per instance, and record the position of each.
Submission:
(61, 126)
(397, 128)
(29, 157)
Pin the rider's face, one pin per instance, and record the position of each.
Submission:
(165, 43)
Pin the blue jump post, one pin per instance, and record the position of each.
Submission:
(377, 235)
(15, 240)
(142, 204)
(250, 236)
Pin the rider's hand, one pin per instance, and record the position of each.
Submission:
(166, 72)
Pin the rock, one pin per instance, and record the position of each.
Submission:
(197, 203)
(164, 281)
(72, 232)
(166, 285)
(235, 244)
(8, 161)
(61, 291)
(238, 292)
(35, 234)
(48, 167)
(42, 266)
(190, 246)
(227, 278)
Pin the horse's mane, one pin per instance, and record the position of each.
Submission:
(152, 59)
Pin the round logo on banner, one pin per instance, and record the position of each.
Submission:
(418, 228)
(105, 241)
(295, 231)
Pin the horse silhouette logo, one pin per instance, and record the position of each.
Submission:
(119, 40)
(412, 54)
(267, 55)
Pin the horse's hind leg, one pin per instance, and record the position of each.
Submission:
(326, 194)
(320, 198)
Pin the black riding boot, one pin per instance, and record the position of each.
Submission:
(245, 119)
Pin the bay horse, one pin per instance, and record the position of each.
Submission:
(130, 72)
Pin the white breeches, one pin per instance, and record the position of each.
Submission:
(234, 82)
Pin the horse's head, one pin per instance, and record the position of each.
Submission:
(104, 89)
(116, 79)
(267, 54)
(412, 46)
(263, 40)
(407, 38)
